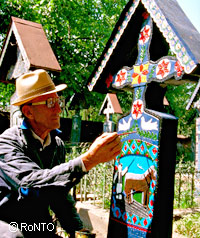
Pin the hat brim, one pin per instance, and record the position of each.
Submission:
(19, 101)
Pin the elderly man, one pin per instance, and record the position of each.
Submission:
(33, 174)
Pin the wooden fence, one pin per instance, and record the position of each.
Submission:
(97, 184)
(187, 189)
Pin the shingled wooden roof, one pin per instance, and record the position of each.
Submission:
(172, 31)
(27, 40)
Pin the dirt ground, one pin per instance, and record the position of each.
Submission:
(96, 218)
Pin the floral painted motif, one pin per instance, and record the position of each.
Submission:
(140, 132)
(144, 35)
(137, 109)
(145, 71)
(140, 74)
(172, 38)
(121, 77)
(163, 68)
(179, 69)
(162, 23)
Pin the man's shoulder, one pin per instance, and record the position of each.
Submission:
(11, 130)
(11, 133)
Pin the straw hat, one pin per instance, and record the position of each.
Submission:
(34, 84)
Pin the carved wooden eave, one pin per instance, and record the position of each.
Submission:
(172, 32)
(25, 48)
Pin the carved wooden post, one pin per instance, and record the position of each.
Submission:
(77, 102)
(76, 128)
(109, 107)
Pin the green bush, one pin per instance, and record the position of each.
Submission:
(73, 151)
(184, 185)
(189, 226)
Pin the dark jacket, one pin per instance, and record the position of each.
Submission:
(32, 179)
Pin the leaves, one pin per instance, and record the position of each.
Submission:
(78, 31)
(6, 92)
(189, 225)
(178, 97)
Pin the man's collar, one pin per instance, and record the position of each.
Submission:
(25, 125)
(45, 142)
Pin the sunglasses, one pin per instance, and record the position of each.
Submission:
(50, 102)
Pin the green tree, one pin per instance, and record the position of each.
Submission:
(77, 31)
(178, 97)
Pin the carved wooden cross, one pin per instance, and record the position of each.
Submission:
(140, 134)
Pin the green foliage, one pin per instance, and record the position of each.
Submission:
(146, 134)
(185, 167)
(189, 225)
(73, 151)
(178, 97)
(186, 152)
(6, 91)
(77, 31)
(125, 100)
(184, 185)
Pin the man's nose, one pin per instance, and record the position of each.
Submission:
(57, 107)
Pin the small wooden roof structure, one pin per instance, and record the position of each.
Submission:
(173, 34)
(26, 47)
(110, 105)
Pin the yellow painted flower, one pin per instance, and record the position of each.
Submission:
(140, 73)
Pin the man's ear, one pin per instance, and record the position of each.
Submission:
(27, 111)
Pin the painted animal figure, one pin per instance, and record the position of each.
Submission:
(139, 183)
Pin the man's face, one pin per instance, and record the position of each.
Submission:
(45, 119)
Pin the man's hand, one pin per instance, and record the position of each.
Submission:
(105, 148)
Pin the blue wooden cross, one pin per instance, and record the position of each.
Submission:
(133, 203)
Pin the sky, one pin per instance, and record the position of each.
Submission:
(192, 10)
